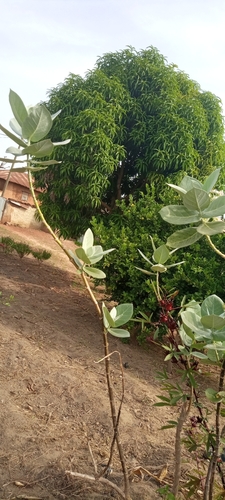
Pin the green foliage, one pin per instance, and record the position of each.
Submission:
(30, 124)
(133, 117)
(9, 245)
(41, 254)
(197, 207)
(129, 229)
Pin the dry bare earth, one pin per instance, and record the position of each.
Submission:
(52, 389)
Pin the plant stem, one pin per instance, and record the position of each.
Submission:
(44, 220)
(8, 178)
(114, 417)
(185, 410)
(214, 247)
(217, 444)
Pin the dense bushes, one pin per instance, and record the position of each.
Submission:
(129, 229)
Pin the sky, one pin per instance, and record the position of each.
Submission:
(42, 41)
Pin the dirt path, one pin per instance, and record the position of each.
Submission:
(53, 391)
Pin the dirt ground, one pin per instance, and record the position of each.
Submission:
(53, 393)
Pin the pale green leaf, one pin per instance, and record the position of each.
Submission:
(94, 273)
(14, 138)
(183, 238)
(119, 332)
(159, 268)
(62, 143)
(216, 208)
(161, 254)
(144, 257)
(176, 264)
(18, 108)
(196, 199)
(192, 321)
(37, 124)
(40, 149)
(211, 180)
(144, 271)
(56, 114)
(88, 239)
(179, 215)
(178, 189)
(75, 258)
(212, 395)
(11, 160)
(213, 322)
(15, 127)
(212, 305)
(46, 162)
(124, 313)
(211, 228)
(81, 254)
(107, 318)
(189, 183)
(14, 151)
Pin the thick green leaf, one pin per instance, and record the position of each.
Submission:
(213, 322)
(183, 238)
(212, 395)
(11, 160)
(212, 305)
(178, 189)
(199, 355)
(94, 273)
(175, 264)
(122, 313)
(14, 138)
(14, 151)
(186, 339)
(46, 162)
(56, 114)
(62, 143)
(40, 149)
(26, 169)
(15, 127)
(189, 183)
(192, 321)
(144, 257)
(179, 215)
(119, 332)
(211, 180)
(144, 271)
(76, 260)
(88, 239)
(159, 268)
(82, 255)
(216, 208)
(211, 228)
(107, 318)
(37, 124)
(196, 199)
(161, 254)
(216, 346)
(18, 108)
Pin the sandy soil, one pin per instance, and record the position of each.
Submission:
(53, 394)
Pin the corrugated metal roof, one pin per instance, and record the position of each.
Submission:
(17, 178)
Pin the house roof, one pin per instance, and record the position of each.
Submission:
(17, 178)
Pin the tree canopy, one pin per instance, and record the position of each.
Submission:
(134, 116)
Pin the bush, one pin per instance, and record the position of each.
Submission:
(129, 229)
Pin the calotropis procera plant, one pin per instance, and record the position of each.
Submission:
(202, 328)
(30, 126)
(198, 208)
(160, 256)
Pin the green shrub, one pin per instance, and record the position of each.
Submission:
(129, 229)
(41, 254)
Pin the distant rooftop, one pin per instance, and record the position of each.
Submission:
(17, 178)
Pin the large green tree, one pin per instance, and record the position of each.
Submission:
(133, 117)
